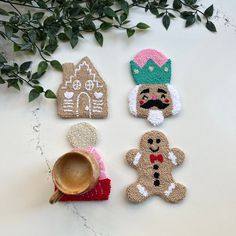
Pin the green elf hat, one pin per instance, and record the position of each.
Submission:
(151, 67)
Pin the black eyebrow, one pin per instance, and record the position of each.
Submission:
(161, 91)
(145, 91)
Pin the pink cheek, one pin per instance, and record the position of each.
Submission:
(141, 102)
(166, 100)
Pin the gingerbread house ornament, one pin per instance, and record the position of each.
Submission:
(83, 93)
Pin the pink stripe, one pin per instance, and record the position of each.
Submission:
(143, 56)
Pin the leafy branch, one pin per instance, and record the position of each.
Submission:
(51, 22)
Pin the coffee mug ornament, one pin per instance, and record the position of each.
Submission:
(154, 161)
(153, 97)
(80, 175)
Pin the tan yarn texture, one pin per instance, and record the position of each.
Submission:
(142, 112)
(83, 93)
(146, 170)
(82, 135)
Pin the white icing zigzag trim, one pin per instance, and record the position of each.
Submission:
(155, 117)
(172, 157)
(170, 189)
(78, 69)
(142, 190)
(133, 100)
(175, 99)
(137, 158)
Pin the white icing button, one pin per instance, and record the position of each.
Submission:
(136, 71)
(151, 68)
(166, 69)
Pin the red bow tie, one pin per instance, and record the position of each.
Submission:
(158, 157)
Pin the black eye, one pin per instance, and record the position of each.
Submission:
(163, 96)
(144, 96)
(158, 140)
(150, 141)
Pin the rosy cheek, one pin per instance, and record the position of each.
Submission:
(141, 102)
(166, 100)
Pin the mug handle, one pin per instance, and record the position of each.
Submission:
(56, 196)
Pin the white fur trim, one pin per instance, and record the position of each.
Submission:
(137, 158)
(155, 117)
(133, 100)
(175, 99)
(172, 157)
(142, 190)
(170, 189)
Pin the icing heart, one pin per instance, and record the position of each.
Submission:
(68, 95)
(98, 95)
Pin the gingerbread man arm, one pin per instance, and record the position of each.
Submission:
(133, 157)
(176, 156)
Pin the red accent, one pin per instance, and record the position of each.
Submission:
(141, 102)
(158, 157)
(100, 192)
(166, 100)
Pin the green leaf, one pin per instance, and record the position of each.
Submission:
(56, 65)
(2, 81)
(177, 4)
(50, 94)
(25, 66)
(166, 21)
(105, 26)
(8, 30)
(199, 18)
(3, 12)
(32, 36)
(74, 40)
(99, 38)
(2, 59)
(42, 67)
(123, 17)
(63, 37)
(33, 95)
(13, 83)
(142, 25)
(109, 12)
(190, 21)
(210, 26)
(39, 89)
(130, 32)
(38, 15)
(209, 11)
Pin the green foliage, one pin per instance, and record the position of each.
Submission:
(52, 22)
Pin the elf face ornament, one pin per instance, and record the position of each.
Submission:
(154, 98)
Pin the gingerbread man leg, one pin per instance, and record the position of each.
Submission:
(175, 192)
(137, 192)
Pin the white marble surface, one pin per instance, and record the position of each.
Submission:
(32, 137)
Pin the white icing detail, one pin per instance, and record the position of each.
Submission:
(76, 85)
(86, 108)
(96, 100)
(133, 100)
(89, 85)
(68, 95)
(67, 110)
(94, 110)
(89, 103)
(155, 117)
(172, 157)
(68, 100)
(175, 99)
(97, 104)
(151, 68)
(67, 106)
(137, 158)
(136, 71)
(97, 107)
(170, 189)
(98, 95)
(166, 69)
(142, 190)
(93, 75)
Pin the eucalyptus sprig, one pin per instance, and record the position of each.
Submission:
(38, 27)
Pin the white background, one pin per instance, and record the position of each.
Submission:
(33, 137)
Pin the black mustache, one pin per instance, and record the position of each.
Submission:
(154, 103)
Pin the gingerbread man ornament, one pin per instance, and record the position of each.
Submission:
(154, 162)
